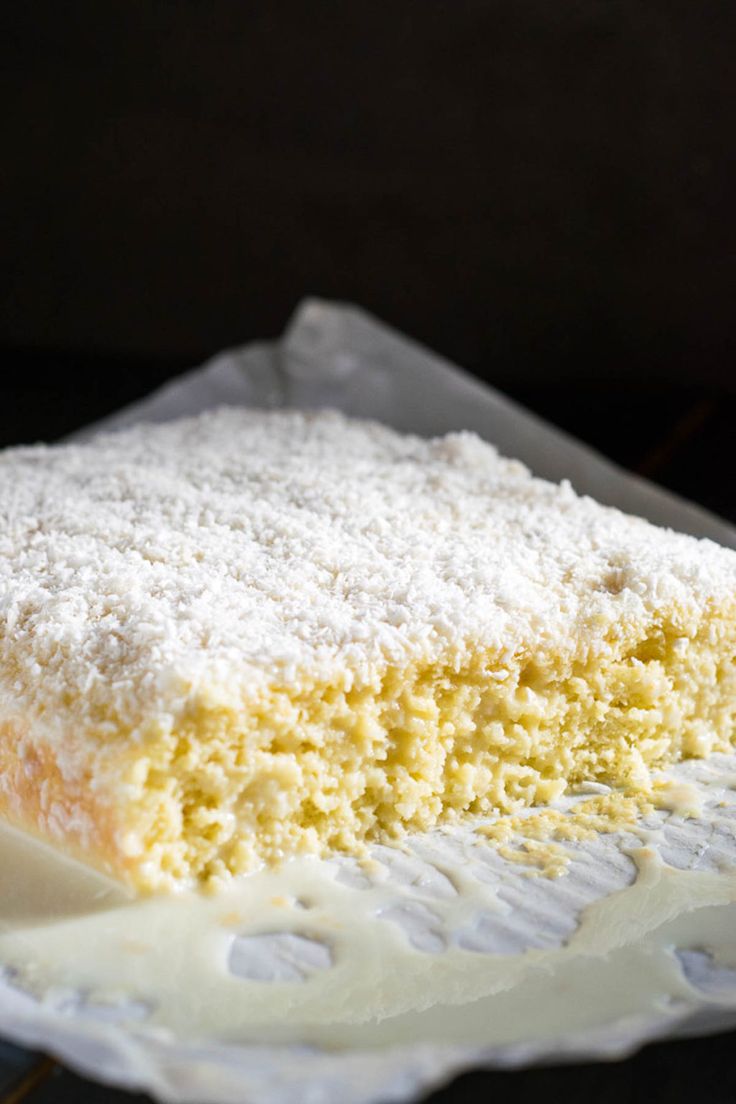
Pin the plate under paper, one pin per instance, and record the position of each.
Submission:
(467, 945)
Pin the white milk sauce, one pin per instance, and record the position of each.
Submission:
(437, 940)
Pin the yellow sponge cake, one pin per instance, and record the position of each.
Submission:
(239, 636)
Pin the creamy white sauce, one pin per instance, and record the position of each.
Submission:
(372, 954)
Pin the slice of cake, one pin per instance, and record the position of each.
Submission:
(243, 635)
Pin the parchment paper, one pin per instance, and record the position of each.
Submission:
(338, 356)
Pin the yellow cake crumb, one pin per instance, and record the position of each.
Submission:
(330, 768)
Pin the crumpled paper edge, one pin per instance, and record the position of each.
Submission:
(201, 1074)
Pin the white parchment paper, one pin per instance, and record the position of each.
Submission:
(338, 356)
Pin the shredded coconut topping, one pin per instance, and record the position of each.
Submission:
(241, 546)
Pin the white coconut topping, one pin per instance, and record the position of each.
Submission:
(239, 546)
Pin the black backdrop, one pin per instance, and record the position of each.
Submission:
(544, 191)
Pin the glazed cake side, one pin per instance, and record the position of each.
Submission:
(241, 635)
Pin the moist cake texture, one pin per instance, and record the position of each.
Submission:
(238, 636)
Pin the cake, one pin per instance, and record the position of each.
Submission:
(236, 637)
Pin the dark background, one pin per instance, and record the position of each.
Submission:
(539, 190)
(543, 191)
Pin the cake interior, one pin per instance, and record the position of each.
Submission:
(320, 767)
